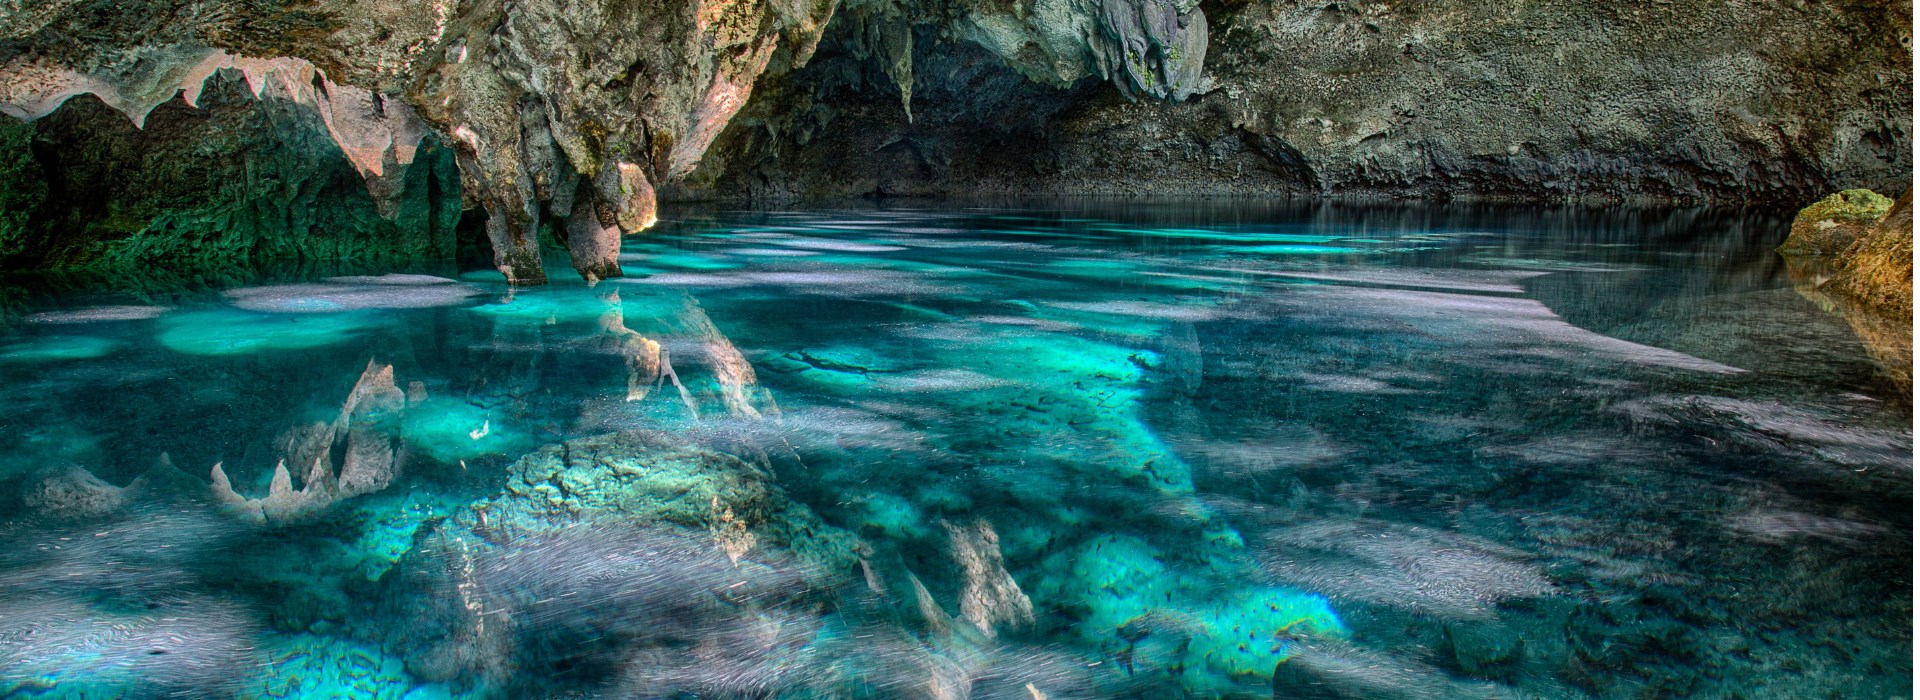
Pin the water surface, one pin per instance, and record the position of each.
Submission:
(1045, 451)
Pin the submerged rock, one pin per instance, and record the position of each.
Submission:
(643, 477)
(371, 456)
(1832, 225)
(73, 493)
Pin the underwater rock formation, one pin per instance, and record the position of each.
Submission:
(370, 460)
(74, 494)
(644, 477)
(991, 599)
(663, 565)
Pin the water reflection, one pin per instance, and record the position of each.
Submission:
(1325, 451)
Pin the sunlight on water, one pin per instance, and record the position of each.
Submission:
(1085, 452)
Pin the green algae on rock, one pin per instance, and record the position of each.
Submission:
(1832, 225)
(238, 180)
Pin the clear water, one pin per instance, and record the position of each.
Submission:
(1045, 452)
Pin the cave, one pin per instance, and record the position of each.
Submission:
(1028, 349)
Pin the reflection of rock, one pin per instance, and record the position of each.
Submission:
(648, 364)
(1829, 226)
(1869, 283)
(370, 459)
(1877, 270)
(733, 377)
(1888, 340)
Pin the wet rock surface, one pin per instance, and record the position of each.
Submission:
(1852, 253)
(237, 182)
(1877, 269)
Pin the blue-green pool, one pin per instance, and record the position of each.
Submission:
(1049, 451)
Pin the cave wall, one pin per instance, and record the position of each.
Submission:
(238, 181)
(1679, 101)
(566, 120)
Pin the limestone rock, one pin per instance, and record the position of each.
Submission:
(241, 178)
(531, 94)
(1604, 101)
(371, 457)
(72, 493)
(1877, 269)
(1832, 225)
(991, 599)
(643, 477)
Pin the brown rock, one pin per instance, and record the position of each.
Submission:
(1831, 225)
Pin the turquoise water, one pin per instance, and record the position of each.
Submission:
(1038, 452)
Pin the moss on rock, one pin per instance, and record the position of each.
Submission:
(22, 186)
(1829, 226)
(1877, 270)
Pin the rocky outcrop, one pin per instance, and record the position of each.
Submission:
(248, 176)
(1509, 100)
(543, 102)
(1877, 269)
(1870, 279)
(1832, 225)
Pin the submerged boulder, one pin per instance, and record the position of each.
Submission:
(673, 567)
(650, 478)
(1831, 225)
